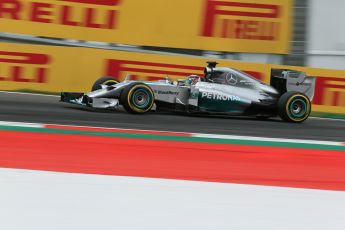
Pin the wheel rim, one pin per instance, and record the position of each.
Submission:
(298, 108)
(141, 98)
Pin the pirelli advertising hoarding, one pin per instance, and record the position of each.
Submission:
(56, 69)
(223, 25)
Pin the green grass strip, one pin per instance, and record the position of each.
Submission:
(175, 138)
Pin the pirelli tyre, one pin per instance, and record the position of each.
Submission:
(137, 98)
(104, 81)
(294, 107)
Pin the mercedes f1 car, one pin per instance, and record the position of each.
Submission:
(221, 90)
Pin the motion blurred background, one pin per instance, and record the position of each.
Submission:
(317, 37)
(67, 44)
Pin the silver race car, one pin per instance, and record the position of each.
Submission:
(221, 90)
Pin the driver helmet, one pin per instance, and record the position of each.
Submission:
(193, 79)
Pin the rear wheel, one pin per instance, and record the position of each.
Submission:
(104, 81)
(294, 107)
(137, 98)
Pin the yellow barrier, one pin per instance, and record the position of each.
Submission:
(56, 69)
(223, 25)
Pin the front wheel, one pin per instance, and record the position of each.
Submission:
(104, 81)
(137, 98)
(294, 107)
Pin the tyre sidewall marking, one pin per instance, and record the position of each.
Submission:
(109, 81)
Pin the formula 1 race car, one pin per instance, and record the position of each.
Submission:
(221, 90)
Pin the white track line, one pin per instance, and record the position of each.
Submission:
(198, 135)
(327, 119)
(220, 136)
(21, 124)
(267, 139)
(116, 129)
(33, 94)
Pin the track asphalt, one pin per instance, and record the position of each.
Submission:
(47, 109)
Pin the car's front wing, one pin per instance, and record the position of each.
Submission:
(84, 100)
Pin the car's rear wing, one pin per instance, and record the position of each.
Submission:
(285, 80)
